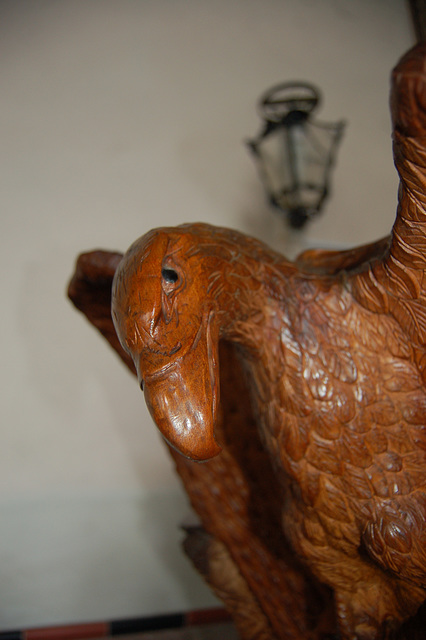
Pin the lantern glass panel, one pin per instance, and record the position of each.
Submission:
(295, 162)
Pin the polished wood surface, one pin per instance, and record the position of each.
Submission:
(303, 386)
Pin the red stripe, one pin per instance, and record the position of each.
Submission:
(207, 616)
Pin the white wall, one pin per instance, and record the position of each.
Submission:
(117, 116)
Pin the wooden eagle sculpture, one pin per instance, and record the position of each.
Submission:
(303, 384)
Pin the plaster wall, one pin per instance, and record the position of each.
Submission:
(117, 116)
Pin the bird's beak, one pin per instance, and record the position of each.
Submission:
(183, 397)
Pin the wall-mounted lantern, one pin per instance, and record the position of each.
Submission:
(293, 152)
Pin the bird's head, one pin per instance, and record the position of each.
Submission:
(167, 321)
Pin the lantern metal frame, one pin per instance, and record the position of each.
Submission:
(294, 153)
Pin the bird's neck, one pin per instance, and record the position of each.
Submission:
(253, 301)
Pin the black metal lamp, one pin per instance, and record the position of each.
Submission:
(294, 153)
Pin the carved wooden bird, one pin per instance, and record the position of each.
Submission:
(333, 350)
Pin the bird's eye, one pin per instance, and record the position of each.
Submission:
(169, 275)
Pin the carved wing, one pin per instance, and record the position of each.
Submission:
(90, 292)
(395, 285)
(408, 110)
(408, 241)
